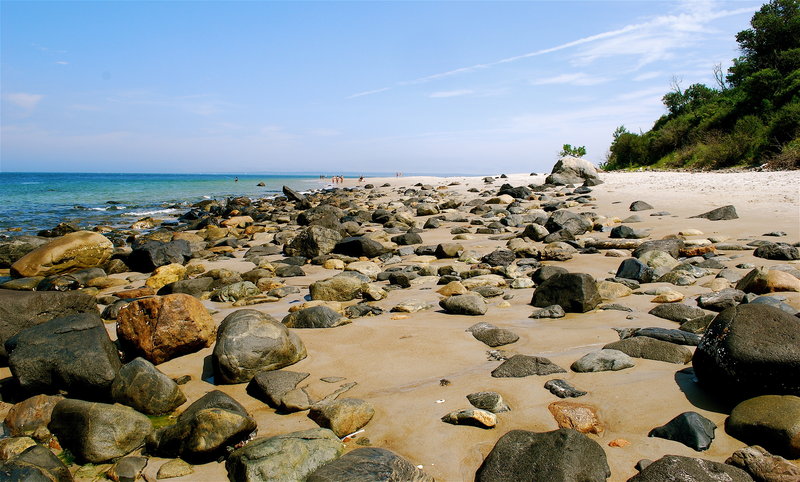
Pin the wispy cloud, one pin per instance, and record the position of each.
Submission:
(648, 76)
(62, 62)
(24, 100)
(654, 39)
(450, 93)
(579, 78)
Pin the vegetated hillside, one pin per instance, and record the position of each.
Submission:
(751, 117)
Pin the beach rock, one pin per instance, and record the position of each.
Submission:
(360, 246)
(639, 206)
(563, 454)
(71, 353)
(36, 463)
(20, 310)
(15, 248)
(576, 416)
(164, 275)
(499, 257)
(763, 466)
(284, 270)
(343, 416)
(272, 386)
(299, 199)
(235, 292)
(689, 428)
(174, 468)
(192, 287)
(249, 341)
(719, 214)
(324, 214)
(750, 350)
(525, 365)
(610, 290)
(535, 232)
(574, 292)
(161, 328)
(29, 418)
(546, 272)
(472, 417)
(142, 386)
(634, 269)
(679, 337)
(490, 401)
(71, 252)
(127, 469)
(773, 301)
(720, 300)
(677, 312)
(552, 311)
(602, 360)
(149, 255)
(313, 241)
(777, 251)
(368, 464)
(448, 250)
(98, 432)
(315, 317)
(467, 304)
(652, 349)
(573, 223)
(291, 456)
(762, 280)
(670, 246)
(494, 336)
(676, 468)
(562, 389)
(771, 421)
(339, 288)
(367, 268)
(572, 170)
(202, 431)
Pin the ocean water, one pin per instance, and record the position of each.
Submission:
(35, 201)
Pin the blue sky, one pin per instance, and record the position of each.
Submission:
(461, 87)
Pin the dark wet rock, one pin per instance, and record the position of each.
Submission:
(315, 317)
(634, 269)
(552, 311)
(616, 307)
(536, 232)
(525, 365)
(301, 202)
(343, 416)
(771, 421)
(679, 337)
(575, 292)
(763, 466)
(71, 353)
(250, 341)
(720, 300)
(490, 401)
(144, 387)
(562, 389)
(563, 454)
(15, 248)
(639, 206)
(676, 468)
(203, 430)
(289, 270)
(272, 386)
(466, 304)
(723, 213)
(677, 312)
(689, 428)
(35, 464)
(98, 432)
(313, 241)
(499, 257)
(697, 325)
(20, 310)
(291, 456)
(368, 464)
(545, 272)
(750, 350)
(652, 349)
(112, 311)
(127, 469)
(362, 309)
(602, 360)
(360, 246)
(774, 302)
(571, 222)
(777, 251)
(407, 239)
(326, 215)
(149, 255)
(192, 287)
(448, 250)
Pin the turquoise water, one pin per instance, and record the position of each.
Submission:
(35, 201)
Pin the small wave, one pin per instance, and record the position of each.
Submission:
(150, 213)
(206, 197)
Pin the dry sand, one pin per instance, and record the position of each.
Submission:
(398, 363)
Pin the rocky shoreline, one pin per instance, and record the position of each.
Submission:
(513, 327)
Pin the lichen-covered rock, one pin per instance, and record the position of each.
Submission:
(71, 252)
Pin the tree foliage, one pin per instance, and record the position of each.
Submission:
(568, 150)
(751, 116)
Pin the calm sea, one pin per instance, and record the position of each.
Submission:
(35, 201)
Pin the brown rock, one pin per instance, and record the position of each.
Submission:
(689, 251)
(71, 252)
(164, 275)
(135, 293)
(237, 221)
(764, 466)
(12, 446)
(344, 416)
(761, 280)
(161, 328)
(577, 416)
(30, 417)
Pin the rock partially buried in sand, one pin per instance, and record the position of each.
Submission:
(474, 417)
(562, 389)
(71, 252)
(676, 467)
(524, 365)
(602, 360)
(772, 421)
(369, 464)
(343, 416)
(466, 304)
(489, 401)
(761, 280)
(572, 170)
(689, 428)
(652, 349)
(577, 416)
(719, 214)
(762, 465)
(574, 292)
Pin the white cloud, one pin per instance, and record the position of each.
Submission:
(647, 76)
(24, 100)
(450, 93)
(368, 92)
(579, 78)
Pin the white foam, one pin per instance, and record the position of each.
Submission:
(150, 213)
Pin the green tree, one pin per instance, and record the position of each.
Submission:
(568, 150)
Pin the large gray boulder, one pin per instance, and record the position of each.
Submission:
(23, 309)
(98, 432)
(575, 292)
(572, 170)
(562, 454)
(291, 456)
(72, 353)
(750, 350)
(249, 341)
(144, 387)
(313, 241)
(369, 464)
(149, 255)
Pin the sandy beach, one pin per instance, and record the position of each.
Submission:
(414, 368)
